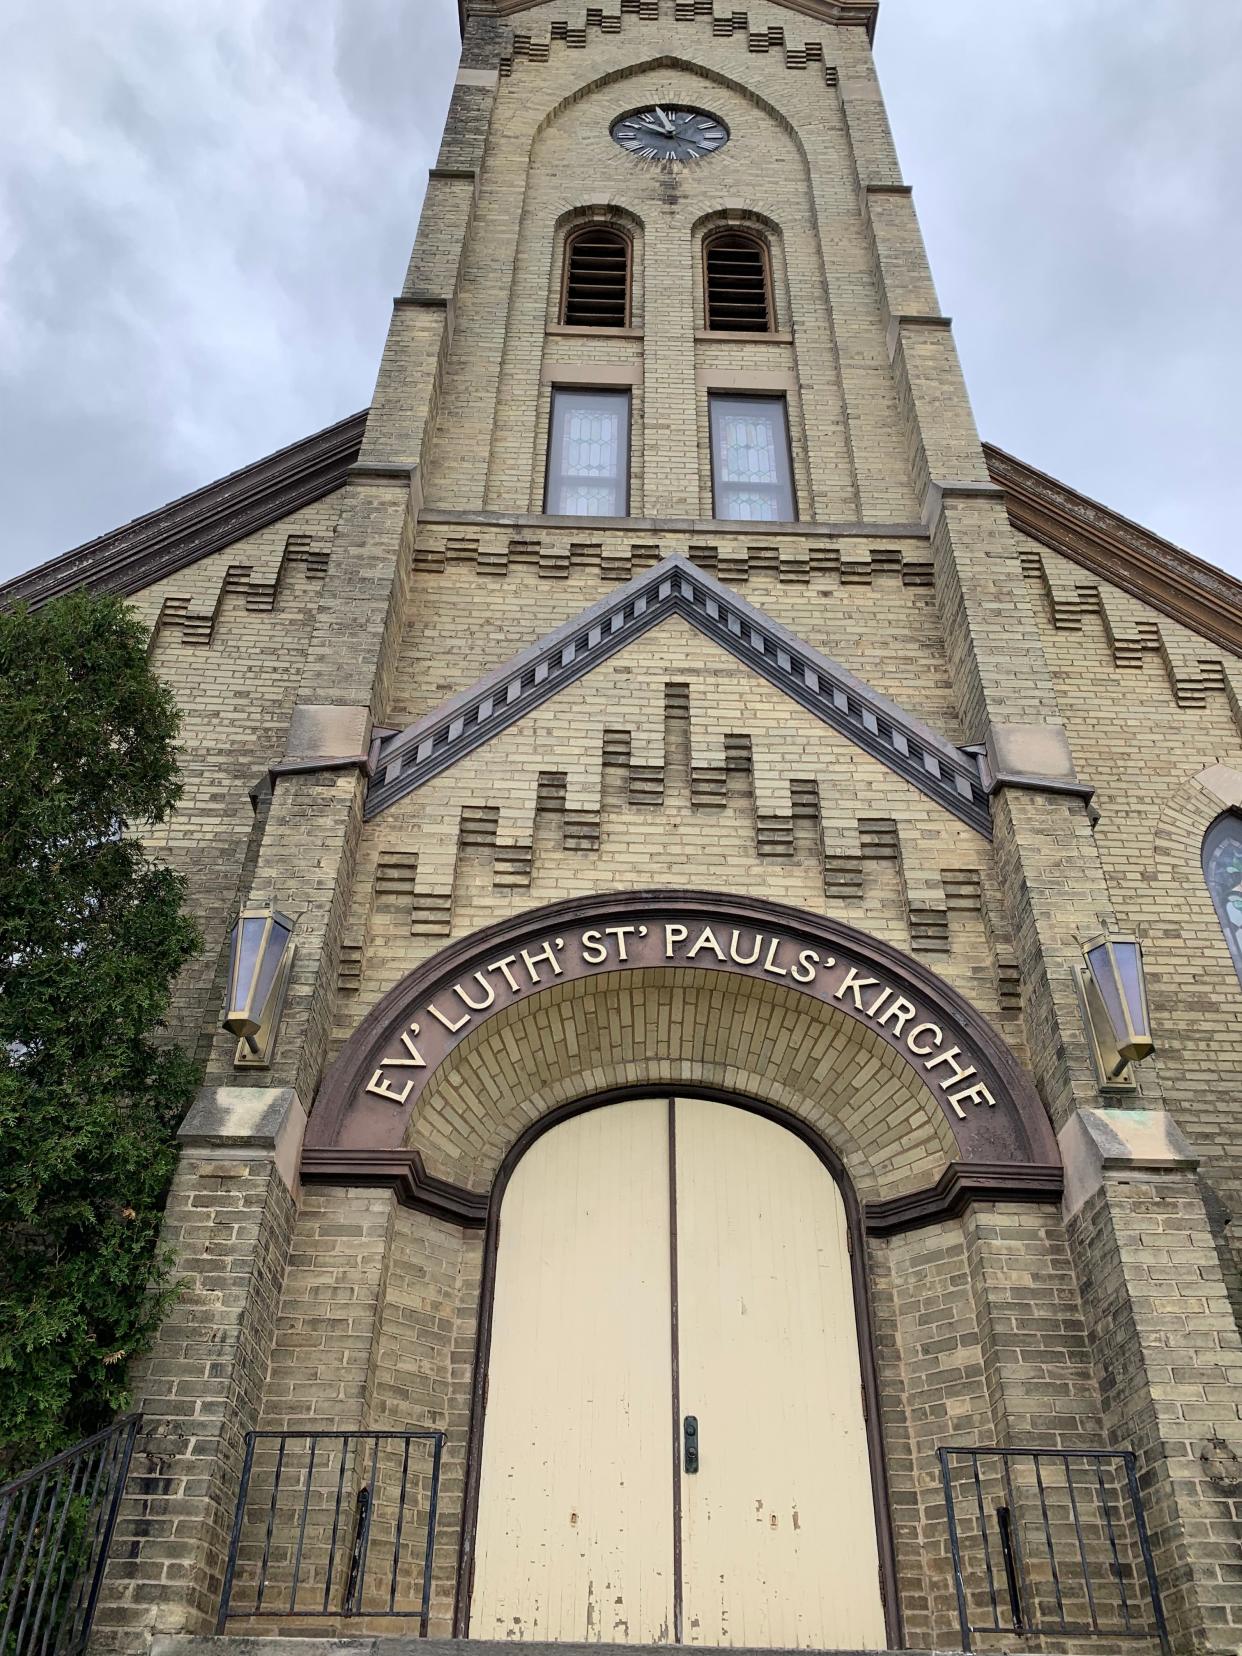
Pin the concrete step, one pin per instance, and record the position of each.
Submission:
(233, 1645)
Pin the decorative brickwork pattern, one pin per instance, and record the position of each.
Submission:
(1144, 733)
(229, 634)
(407, 760)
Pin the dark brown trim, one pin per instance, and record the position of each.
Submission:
(674, 1306)
(742, 395)
(404, 1173)
(569, 385)
(574, 233)
(1169, 579)
(744, 232)
(198, 524)
(1019, 1122)
(862, 1315)
(959, 1187)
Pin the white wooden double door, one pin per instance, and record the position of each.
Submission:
(663, 1258)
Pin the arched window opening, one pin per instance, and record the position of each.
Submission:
(737, 283)
(597, 279)
(1222, 868)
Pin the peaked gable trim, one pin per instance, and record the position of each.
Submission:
(206, 521)
(674, 587)
(1114, 549)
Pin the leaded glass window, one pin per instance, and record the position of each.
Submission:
(589, 454)
(1222, 867)
(752, 477)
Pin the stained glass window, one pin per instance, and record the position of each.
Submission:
(1222, 867)
(589, 454)
(751, 472)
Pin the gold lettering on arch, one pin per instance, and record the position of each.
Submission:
(860, 987)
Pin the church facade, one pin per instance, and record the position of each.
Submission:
(705, 1176)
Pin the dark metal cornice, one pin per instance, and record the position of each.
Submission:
(198, 524)
(674, 587)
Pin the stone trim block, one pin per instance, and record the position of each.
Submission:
(241, 1123)
(1096, 1142)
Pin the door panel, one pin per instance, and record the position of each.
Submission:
(778, 1533)
(575, 1520)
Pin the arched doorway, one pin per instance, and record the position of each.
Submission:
(674, 1443)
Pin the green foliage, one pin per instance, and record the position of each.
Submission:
(91, 937)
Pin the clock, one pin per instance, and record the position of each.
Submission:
(665, 133)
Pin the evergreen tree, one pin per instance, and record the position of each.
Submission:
(92, 935)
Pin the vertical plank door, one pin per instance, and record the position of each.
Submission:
(575, 1527)
(778, 1532)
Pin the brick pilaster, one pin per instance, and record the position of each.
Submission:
(229, 1221)
(1169, 1355)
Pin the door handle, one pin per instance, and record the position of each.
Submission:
(690, 1440)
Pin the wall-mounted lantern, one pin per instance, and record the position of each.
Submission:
(1113, 990)
(260, 958)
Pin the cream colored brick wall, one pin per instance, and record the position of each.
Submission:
(866, 603)
(229, 635)
(1149, 706)
(738, 785)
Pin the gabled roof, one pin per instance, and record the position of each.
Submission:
(1173, 581)
(206, 521)
(674, 587)
(1169, 579)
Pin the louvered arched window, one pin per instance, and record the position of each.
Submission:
(1222, 868)
(596, 291)
(737, 283)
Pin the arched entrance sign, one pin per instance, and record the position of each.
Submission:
(1005, 1143)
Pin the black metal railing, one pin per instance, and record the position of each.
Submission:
(1050, 1542)
(56, 1525)
(334, 1524)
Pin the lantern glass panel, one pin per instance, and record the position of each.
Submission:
(1100, 963)
(248, 949)
(269, 963)
(1130, 971)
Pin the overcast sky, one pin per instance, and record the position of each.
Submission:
(205, 208)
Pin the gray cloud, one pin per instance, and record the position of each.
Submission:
(205, 210)
(1077, 167)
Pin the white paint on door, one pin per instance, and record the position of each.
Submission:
(779, 1540)
(575, 1527)
(576, 1505)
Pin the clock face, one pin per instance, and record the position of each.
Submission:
(665, 133)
